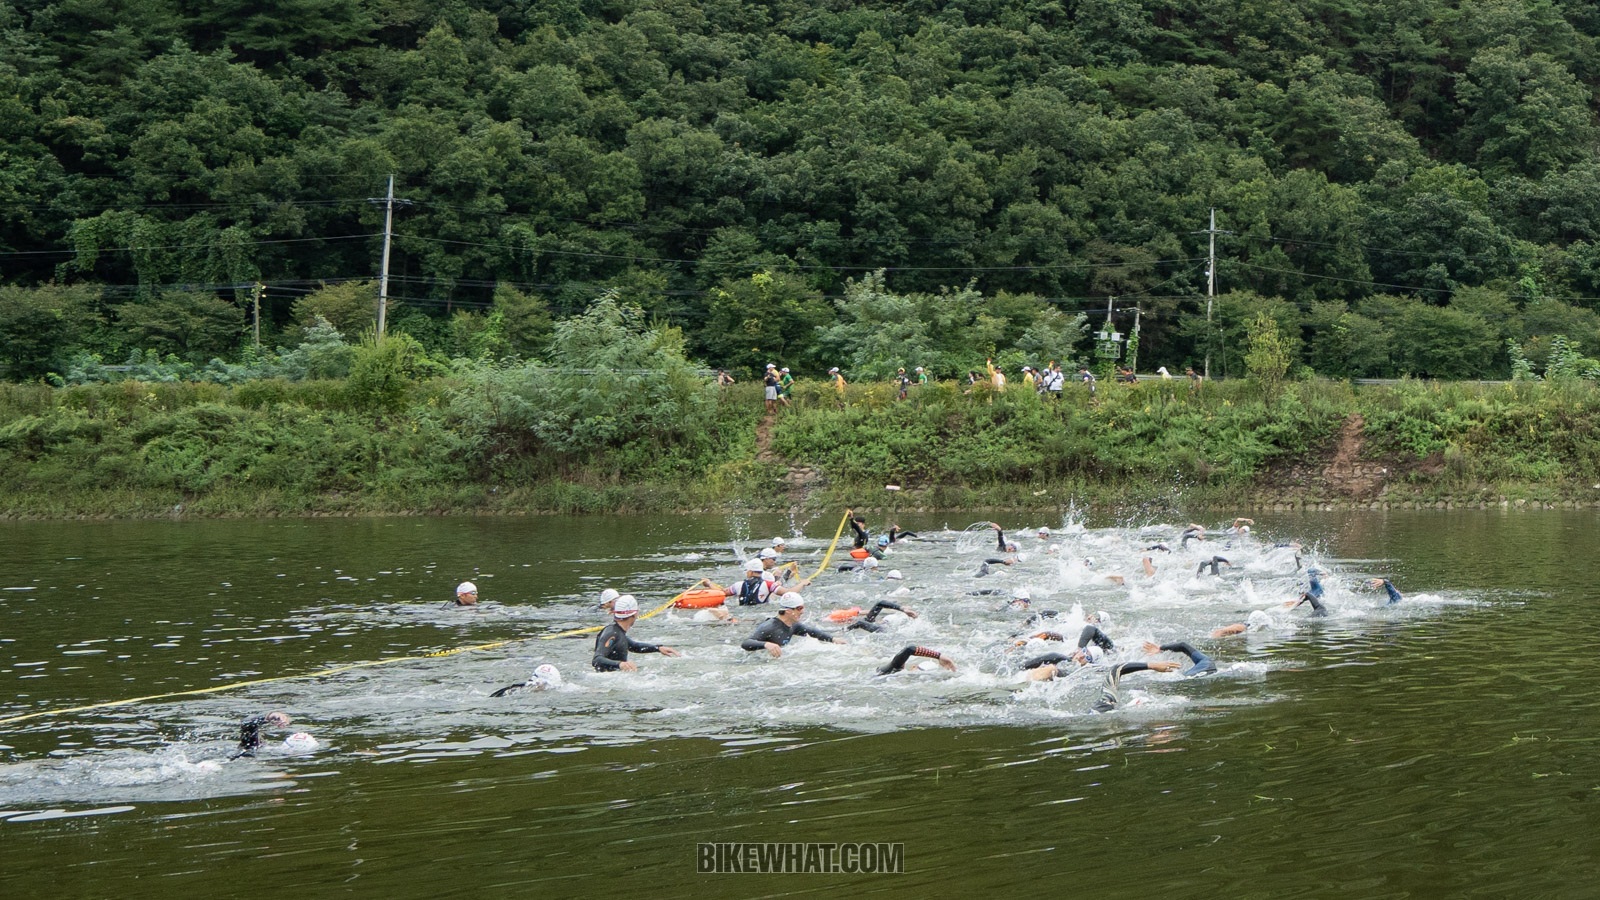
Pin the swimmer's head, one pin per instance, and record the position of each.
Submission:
(754, 565)
(1044, 532)
(883, 540)
(791, 602)
(1010, 547)
(1092, 654)
(466, 593)
(278, 719)
(548, 674)
(767, 553)
(300, 742)
(1100, 617)
(1244, 529)
(1258, 620)
(1022, 595)
(869, 563)
(608, 597)
(626, 607)
(778, 543)
(894, 575)
(1088, 562)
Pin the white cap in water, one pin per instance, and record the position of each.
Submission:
(894, 575)
(609, 595)
(754, 565)
(466, 587)
(791, 600)
(300, 742)
(870, 562)
(1021, 593)
(548, 674)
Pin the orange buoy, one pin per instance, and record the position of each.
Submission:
(844, 615)
(860, 553)
(700, 599)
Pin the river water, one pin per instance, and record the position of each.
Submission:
(1441, 747)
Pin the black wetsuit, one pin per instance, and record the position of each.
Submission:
(1090, 634)
(612, 646)
(1112, 693)
(1162, 547)
(250, 736)
(1000, 542)
(513, 688)
(895, 534)
(1202, 664)
(774, 631)
(900, 659)
(865, 623)
(1213, 562)
(862, 537)
(1313, 596)
(1191, 534)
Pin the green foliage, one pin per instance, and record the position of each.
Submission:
(192, 325)
(1267, 360)
(350, 306)
(39, 326)
(385, 370)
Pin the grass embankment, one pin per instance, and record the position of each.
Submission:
(500, 443)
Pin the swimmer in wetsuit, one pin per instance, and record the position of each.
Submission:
(250, 731)
(776, 632)
(899, 662)
(544, 678)
(1192, 533)
(1313, 595)
(1213, 562)
(1200, 664)
(1111, 695)
(868, 622)
(466, 595)
(896, 535)
(1000, 542)
(859, 526)
(1387, 585)
(612, 645)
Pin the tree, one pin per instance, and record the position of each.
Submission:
(1268, 358)
(768, 317)
(39, 326)
(349, 306)
(195, 325)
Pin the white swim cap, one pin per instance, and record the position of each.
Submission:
(1258, 620)
(791, 600)
(1044, 532)
(1102, 617)
(466, 587)
(625, 607)
(779, 541)
(608, 595)
(1021, 593)
(1092, 653)
(548, 674)
(870, 562)
(767, 553)
(895, 575)
(754, 565)
(300, 742)
(1244, 529)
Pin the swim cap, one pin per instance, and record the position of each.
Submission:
(1103, 618)
(883, 540)
(1244, 529)
(626, 607)
(548, 674)
(895, 575)
(1257, 620)
(608, 595)
(1044, 532)
(300, 742)
(466, 587)
(779, 541)
(791, 600)
(754, 565)
(767, 553)
(1092, 653)
(870, 562)
(1021, 593)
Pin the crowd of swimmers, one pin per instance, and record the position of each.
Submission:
(768, 586)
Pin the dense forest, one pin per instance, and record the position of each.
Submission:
(1404, 188)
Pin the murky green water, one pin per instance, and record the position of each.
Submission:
(1443, 749)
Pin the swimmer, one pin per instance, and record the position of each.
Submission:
(899, 662)
(1158, 546)
(544, 678)
(1241, 525)
(1149, 567)
(1201, 664)
(1291, 545)
(1213, 562)
(300, 742)
(776, 632)
(1192, 533)
(780, 544)
(1257, 621)
(1313, 595)
(983, 567)
(1387, 585)
(1000, 542)
(868, 622)
(1044, 533)
(608, 597)
(757, 587)
(896, 535)
(1111, 696)
(250, 731)
(869, 565)
(612, 646)
(466, 594)
(859, 526)
(1091, 634)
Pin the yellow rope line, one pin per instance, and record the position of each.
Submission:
(436, 654)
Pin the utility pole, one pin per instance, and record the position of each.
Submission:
(1211, 282)
(256, 296)
(388, 235)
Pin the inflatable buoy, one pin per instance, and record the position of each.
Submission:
(844, 615)
(860, 553)
(700, 599)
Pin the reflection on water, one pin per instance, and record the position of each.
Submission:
(1434, 748)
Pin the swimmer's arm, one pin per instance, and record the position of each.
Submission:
(808, 631)
(1226, 630)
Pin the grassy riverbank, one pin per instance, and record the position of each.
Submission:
(504, 442)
